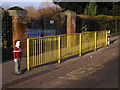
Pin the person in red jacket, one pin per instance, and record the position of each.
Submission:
(17, 56)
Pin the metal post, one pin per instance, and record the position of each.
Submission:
(59, 49)
(95, 41)
(80, 44)
(28, 57)
(106, 38)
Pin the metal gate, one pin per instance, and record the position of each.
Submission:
(42, 26)
(6, 36)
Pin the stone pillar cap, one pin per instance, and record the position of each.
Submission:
(17, 11)
(69, 13)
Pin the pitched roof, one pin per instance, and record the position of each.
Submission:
(16, 8)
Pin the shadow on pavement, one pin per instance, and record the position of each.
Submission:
(112, 41)
(24, 70)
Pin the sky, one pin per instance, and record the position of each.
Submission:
(39, 3)
(25, 3)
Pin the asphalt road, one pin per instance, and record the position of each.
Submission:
(107, 77)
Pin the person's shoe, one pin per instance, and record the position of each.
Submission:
(17, 73)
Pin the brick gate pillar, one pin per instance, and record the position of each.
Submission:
(19, 28)
(71, 26)
(71, 21)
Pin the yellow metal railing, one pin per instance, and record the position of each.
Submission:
(42, 50)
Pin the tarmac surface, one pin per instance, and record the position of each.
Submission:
(105, 77)
(75, 68)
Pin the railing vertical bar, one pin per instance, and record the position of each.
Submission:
(39, 51)
(45, 51)
(53, 48)
(95, 41)
(80, 44)
(58, 49)
(33, 53)
(106, 38)
(28, 55)
(41, 54)
(50, 49)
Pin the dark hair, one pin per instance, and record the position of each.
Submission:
(16, 41)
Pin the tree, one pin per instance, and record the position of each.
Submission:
(116, 9)
(47, 12)
(91, 9)
(31, 11)
(79, 7)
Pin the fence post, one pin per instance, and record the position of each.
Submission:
(28, 57)
(58, 49)
(95, 41)
(80, 44)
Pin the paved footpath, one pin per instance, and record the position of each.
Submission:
(9, 79)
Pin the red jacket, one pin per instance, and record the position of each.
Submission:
(108, 35)
(16, 52)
